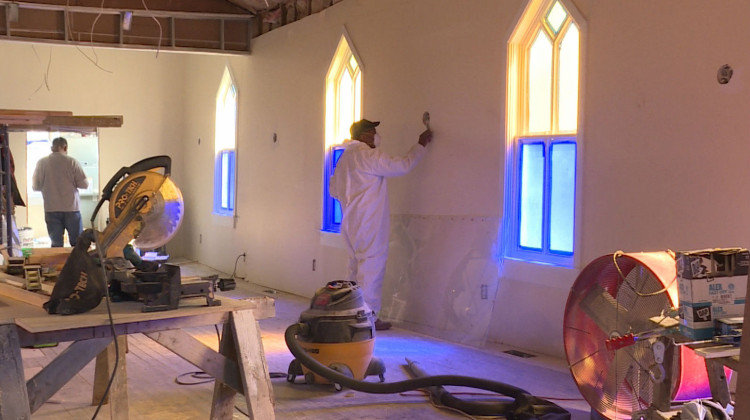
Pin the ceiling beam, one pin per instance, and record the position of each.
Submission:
(226, 33)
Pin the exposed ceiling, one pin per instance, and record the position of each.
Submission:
(222, 26)
(276, 13)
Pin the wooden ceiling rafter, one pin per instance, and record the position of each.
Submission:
(134, 28)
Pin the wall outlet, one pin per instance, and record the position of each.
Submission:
(483, 291)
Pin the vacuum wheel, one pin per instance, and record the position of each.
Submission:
(376, 367)
(342, 369)
(295, 368)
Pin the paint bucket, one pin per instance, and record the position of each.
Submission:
(26, 237)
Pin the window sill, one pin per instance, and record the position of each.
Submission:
(223, 220)
(533, 258)
(333, 240)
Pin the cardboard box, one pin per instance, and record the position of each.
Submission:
(700, 321)
(712, 285)
(717, 262)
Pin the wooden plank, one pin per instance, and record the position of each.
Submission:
(29, 112)
(50, 257)
(717, 382)
(84, 121)
(129, 326)
(200, 355)
(130, 312)
(24, 120)
(715, 352)
(56, 374)
(14, 402)
(21, 295)
(253, 366)
(15, 117)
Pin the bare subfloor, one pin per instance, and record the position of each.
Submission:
(159, 382)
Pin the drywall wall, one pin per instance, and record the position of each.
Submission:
(664, 147)
(281, 91)
(663, 152)
(146, 89)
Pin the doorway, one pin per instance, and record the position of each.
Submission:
(84, 147)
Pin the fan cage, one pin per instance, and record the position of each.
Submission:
(614, 295)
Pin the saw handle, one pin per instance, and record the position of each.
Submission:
(147, 164)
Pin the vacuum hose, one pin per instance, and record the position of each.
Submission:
(524, 406)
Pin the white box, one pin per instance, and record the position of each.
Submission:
(702, 301)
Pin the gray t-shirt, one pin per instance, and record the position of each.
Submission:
(58, 176)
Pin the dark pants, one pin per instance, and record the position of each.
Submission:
(60, 221)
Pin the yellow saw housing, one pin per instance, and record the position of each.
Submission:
(144, 205)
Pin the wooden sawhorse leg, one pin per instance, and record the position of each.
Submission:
(241, 342)
(118, 391)
(14, 400)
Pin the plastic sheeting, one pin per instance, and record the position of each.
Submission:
(432, 288)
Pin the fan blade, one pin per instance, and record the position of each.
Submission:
(627, 384)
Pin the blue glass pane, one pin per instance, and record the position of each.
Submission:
(531, 212)
(337, 214)
(332, 214)
(224, 181)
(337, 155)
(562, 197)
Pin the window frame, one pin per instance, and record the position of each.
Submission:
(544, 254)
(532, 20)
(226, 86)
(340, 63)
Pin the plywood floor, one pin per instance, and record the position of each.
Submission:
(154, 372)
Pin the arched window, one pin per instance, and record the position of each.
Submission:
(343, 107)
(225, 143)
(543, 141)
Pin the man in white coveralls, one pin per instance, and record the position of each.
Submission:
(359, 183)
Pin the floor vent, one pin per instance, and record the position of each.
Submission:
(519, 354)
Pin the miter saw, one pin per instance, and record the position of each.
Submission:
(146, 207)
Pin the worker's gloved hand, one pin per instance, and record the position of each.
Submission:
(425, 138)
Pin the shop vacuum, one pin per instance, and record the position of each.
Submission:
(339, 333)
(333, 343)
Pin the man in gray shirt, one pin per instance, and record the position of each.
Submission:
(59, 176)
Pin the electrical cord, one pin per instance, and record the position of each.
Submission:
(622, 276)
(234, 272)
(522, 406)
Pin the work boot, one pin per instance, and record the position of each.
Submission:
(382, 325)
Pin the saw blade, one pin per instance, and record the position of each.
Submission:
(163, 218)
(159, 213)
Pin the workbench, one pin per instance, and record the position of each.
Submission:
(239, 366)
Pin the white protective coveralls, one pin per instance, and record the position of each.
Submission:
(359, 183)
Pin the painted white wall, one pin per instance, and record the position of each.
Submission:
(664, 145)
(146, 89)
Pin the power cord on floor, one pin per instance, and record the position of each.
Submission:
(200, 377)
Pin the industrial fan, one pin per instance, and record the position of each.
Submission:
(615, 352)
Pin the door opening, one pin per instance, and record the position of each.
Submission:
(84, 147)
